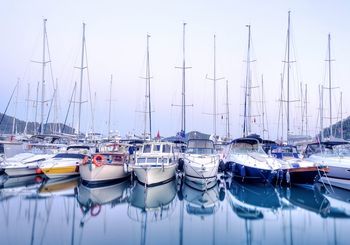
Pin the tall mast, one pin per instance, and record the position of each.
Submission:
(214, 95)
(341, 116)
(36, 108)
(109, 107)
(81, 79)
(214, 79)
(247, 95)
(183, 93)
(288, 68)
(15, 114)
(148, 111)
(306, 116)
(321, 110)
(302, 108)
(330, 85)
(25, 131)
(262, 106)
(227, 114)
(183, 101)
(43, 80)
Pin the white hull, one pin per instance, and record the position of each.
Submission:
(155, 174)
(106, 172)
(201, 169)
(339, 167)
(21, 171)
(341, 183)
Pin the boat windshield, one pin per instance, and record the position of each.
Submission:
(342, 150)
(200, 151)
(70, 155)
(240, 148)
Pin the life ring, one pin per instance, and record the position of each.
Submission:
(85, 160)
(95, 213)
(98, 160)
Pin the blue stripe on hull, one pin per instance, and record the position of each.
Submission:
(246, 173)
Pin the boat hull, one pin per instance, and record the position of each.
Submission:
(251, 174)
(152, 175)
(105, 173)
(201, 170)
(302, 175)
(22, 171)
(60, 172)
(337, 182)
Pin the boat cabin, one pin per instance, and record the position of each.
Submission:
(156, 153)
(200, 146)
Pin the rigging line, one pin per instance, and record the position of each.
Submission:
(49, 54)
(8, 103)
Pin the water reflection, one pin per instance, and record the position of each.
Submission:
(66, 212)
(201, 202)
(155, 199)
(250, 201)
(91, 199)
(60, 187)
(307, 198)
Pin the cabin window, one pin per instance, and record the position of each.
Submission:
(141, 160)
(147, 148)
(152, 160)
(166, 148)
(156, 147)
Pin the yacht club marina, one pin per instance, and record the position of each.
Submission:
(112, 148)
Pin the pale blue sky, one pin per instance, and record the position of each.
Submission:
(116, 38)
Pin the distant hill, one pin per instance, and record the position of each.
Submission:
(337, 129)
(7, 122)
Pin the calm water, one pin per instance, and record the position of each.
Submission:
(67, 212)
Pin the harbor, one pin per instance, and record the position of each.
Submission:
(156, 123)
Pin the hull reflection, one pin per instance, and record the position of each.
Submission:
(201, 202)
(251, 201)
(307, 198)
(153, 198)
(60, 187)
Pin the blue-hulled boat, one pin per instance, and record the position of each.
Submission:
(247, 161)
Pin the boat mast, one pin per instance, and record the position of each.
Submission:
(263, 106)
(25, 131)
(330, 85)
(81, 79)
(247, 96)
(228, 136)
(288, 69)
(14, 117)
(214, 79)
(321, 110)
(148, 110)
(302, 108)
(109, 108)
(36, 108)
(341, 116)
(183, 108)
(306, 116)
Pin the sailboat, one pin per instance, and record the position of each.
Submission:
(246, 159)
(201, 161)
(157, 162)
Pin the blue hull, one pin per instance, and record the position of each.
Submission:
(249, 174)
